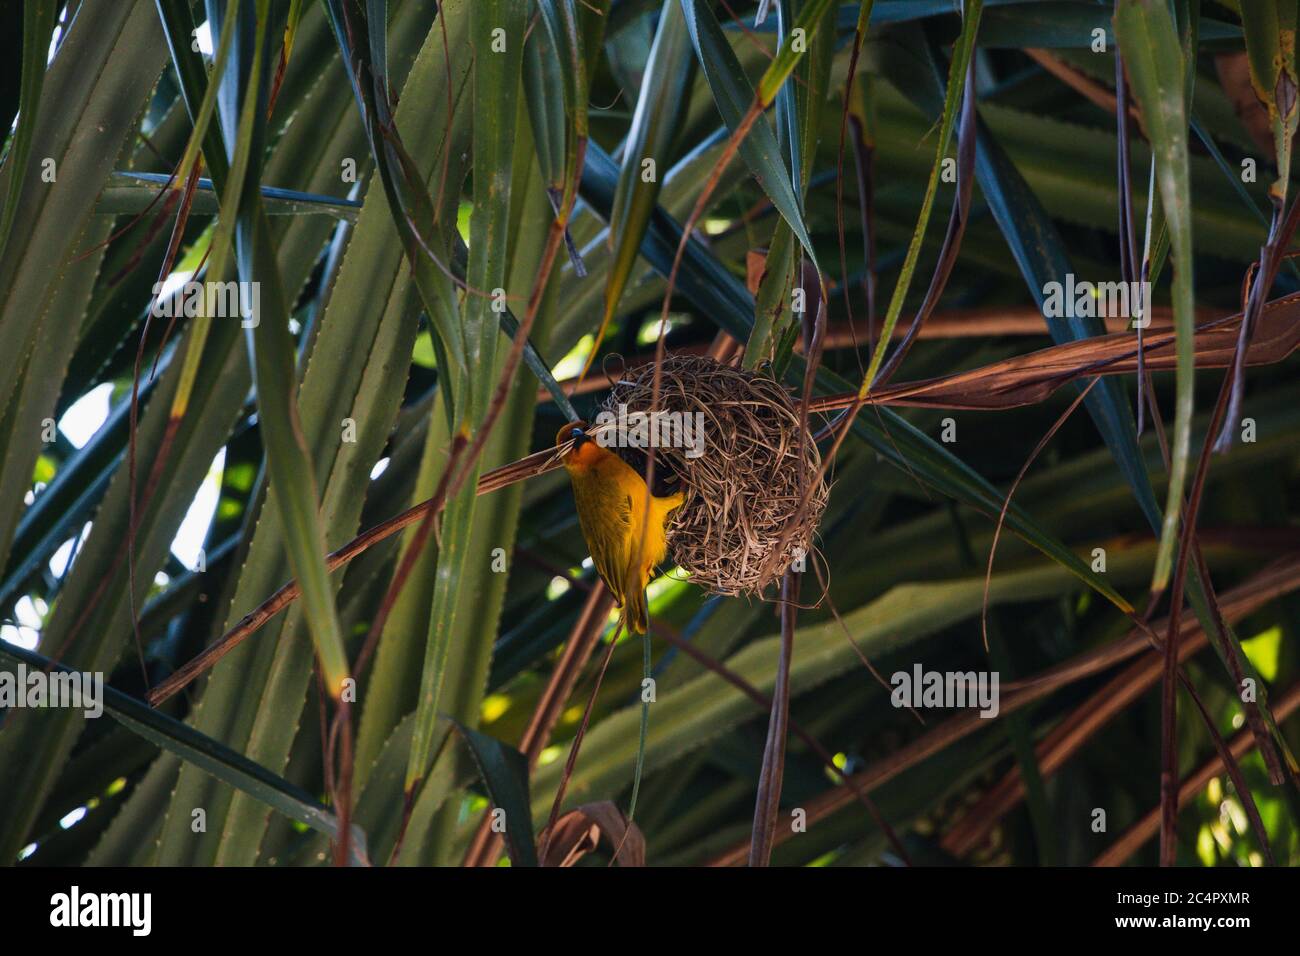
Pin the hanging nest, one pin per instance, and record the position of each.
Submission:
(744, 490)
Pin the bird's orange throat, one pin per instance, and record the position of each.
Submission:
(584, 454)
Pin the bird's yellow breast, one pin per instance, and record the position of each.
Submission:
(625, 541)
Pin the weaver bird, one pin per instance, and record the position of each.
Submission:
(610, 491)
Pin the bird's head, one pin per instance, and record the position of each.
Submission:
(575, 432)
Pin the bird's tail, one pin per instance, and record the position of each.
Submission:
(635, 615)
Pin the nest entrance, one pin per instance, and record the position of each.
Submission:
(744, 480)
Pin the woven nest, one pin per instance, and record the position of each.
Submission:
(743, 492)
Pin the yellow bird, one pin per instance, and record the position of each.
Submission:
(610, 491)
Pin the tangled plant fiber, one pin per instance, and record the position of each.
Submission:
(744, 491)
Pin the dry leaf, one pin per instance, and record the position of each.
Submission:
(580, 831)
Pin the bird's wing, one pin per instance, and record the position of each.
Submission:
(606, 518)
(667, 481)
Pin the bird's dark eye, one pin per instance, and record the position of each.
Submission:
(576, 433)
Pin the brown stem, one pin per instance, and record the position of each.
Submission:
(768, 800)
(1279, 578)
(1241, 744)
(858, 37)
(572, 760)
(485, 847)
(535, 464)
(1118, 693)
(765, 702)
